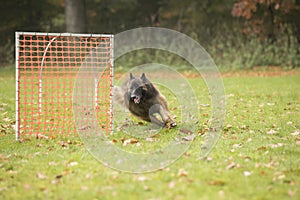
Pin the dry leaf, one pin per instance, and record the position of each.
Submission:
(150, 139)
(276, 145)
(230, 166)
(221, 194)
(209, 158)
(114, 140)
(171, 184)
(236, 145)
(59, 176)
(3, 188)
(88, 176)
(291, 193)
(130, 141)
(261, 148)
(216, 182)
(42, 136)
(182, 172)
(41, 176)
(295, 133)
(52, 163)
(84, 188)
(142, 178)
(73, 163)
(186, 131)
(271, 132)
(26, 186)
(146, 188)
(246, 173)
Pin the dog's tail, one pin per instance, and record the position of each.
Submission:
(119, 93)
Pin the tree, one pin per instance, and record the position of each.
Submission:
(75, 16)
(266, 18)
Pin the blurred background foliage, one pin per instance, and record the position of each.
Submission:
(238, 34)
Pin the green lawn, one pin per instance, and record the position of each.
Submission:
(257, 156)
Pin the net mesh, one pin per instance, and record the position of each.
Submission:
(47, 70)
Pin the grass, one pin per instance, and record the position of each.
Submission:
(257, 156)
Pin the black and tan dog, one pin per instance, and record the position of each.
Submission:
(144, 100)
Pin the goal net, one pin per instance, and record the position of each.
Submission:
(48, 68)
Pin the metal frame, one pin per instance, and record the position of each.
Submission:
(17, 35)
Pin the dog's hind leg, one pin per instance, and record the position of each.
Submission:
(165, 114)
(156, 121)
(167, 121)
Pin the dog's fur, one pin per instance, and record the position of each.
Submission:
(144, 100)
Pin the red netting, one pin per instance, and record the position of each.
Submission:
(48, 67)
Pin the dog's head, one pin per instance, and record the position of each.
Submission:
(138, 88)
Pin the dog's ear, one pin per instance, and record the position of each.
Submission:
(131, 76)
(143, 77)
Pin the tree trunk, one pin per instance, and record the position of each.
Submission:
(75, 16)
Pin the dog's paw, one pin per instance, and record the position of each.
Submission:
(170, 124)
(173, 124)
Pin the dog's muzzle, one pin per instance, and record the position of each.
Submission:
(136, 99)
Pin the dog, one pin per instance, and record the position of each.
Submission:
(144, 100)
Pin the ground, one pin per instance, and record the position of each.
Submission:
(256, 157)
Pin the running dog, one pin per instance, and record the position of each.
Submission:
(144, 100)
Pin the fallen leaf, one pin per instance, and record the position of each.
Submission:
(221, 194)
(52, 163)
(142, 178)
(6, 119)
(88, 176)
(3, 188)
(230, 166)
(261, 148)
(84, 188)
(54, 182)
(42, 136)
(271, 132)
(182, 172)
(146, 188)
(209, 158)
(216, 183)
(59, 176)
(114, 140)
(171, 184)
(291, 193)
(150, 139)
(295, 133)
(204, 105)
(41, 176)
(246, 173)
(236, 145)
(73, 163)
(26, 186)
(130, 141)
(276, 145)
(186, 131)
(227, 127)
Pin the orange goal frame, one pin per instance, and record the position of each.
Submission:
(47, 68)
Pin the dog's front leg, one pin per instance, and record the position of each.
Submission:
(167, 119)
